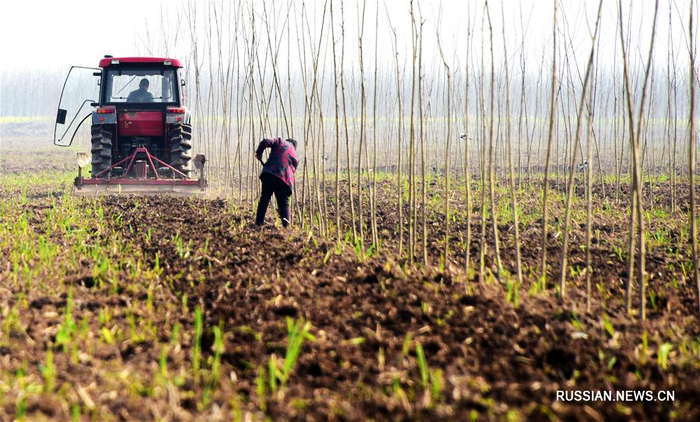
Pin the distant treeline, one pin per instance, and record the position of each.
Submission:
(30, 92)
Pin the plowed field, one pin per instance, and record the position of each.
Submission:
(170, 309)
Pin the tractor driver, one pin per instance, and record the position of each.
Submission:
(141, 95)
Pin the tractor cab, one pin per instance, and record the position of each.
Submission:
(141, 136)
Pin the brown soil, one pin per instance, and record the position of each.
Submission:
(497, 361)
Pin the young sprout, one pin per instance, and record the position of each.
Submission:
(664, 351)
(298, 331)
(48, 370)
(422, 365)
(197, 347)
(260, 387)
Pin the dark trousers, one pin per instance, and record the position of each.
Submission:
(273, 184)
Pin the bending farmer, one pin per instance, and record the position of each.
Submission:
(277, 176)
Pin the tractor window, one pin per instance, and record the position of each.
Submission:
(140, 86)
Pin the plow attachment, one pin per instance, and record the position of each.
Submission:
(118, 186)
(140, 177)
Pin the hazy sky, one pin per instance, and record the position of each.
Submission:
(61, 33)
(58, 34)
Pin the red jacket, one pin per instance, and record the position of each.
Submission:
(282, 161)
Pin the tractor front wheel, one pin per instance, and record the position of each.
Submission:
(181, 148)
(101, 150)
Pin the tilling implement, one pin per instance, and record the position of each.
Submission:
(141, 131)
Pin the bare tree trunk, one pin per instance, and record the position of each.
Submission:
(448, 123)
(511, 169)
(363, 104)
(492, 155)
(589, 207)
(552, 110)
(467, 171)
(373, 200)
(399, 96)
(337, 132)
(345, 121)
(691, 161)
(572, 171)
(411, 150)
(634, 146)
(482, 163)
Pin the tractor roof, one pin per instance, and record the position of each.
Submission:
(108, 61)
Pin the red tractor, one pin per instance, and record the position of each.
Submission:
(141, 131)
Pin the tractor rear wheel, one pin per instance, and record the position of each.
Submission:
(181, 148)
(101, 150)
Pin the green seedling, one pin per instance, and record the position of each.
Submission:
(618, 252)
(279, 372)
(48, 370)
(175, 335)
(298, 332)
(540, 286)
(576, 270)
(12, 323)
(437, 383)
(362, 254)
(431, 379)
(260, 387)
(355, 341)
(576, 323)
(206, 246)
(163, 362)
(406, 345)
(174, 341)
(218, 351)
(131, 320)
(156, 266)
(197, 347)
(69, 327)
(183, 250)
(235, 404)
(84, 327)
(276, 376)
(105, 316)
(75, 412)
(422, 365)
(512, 293)
(664, 351)
(21, 408)
(608, 325)
(215, 366)
(652, 299)
(149, 300)
(107, 335)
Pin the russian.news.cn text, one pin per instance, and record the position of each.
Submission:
(615, 396)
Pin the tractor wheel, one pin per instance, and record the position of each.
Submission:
(101, 149)
(181, 148)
